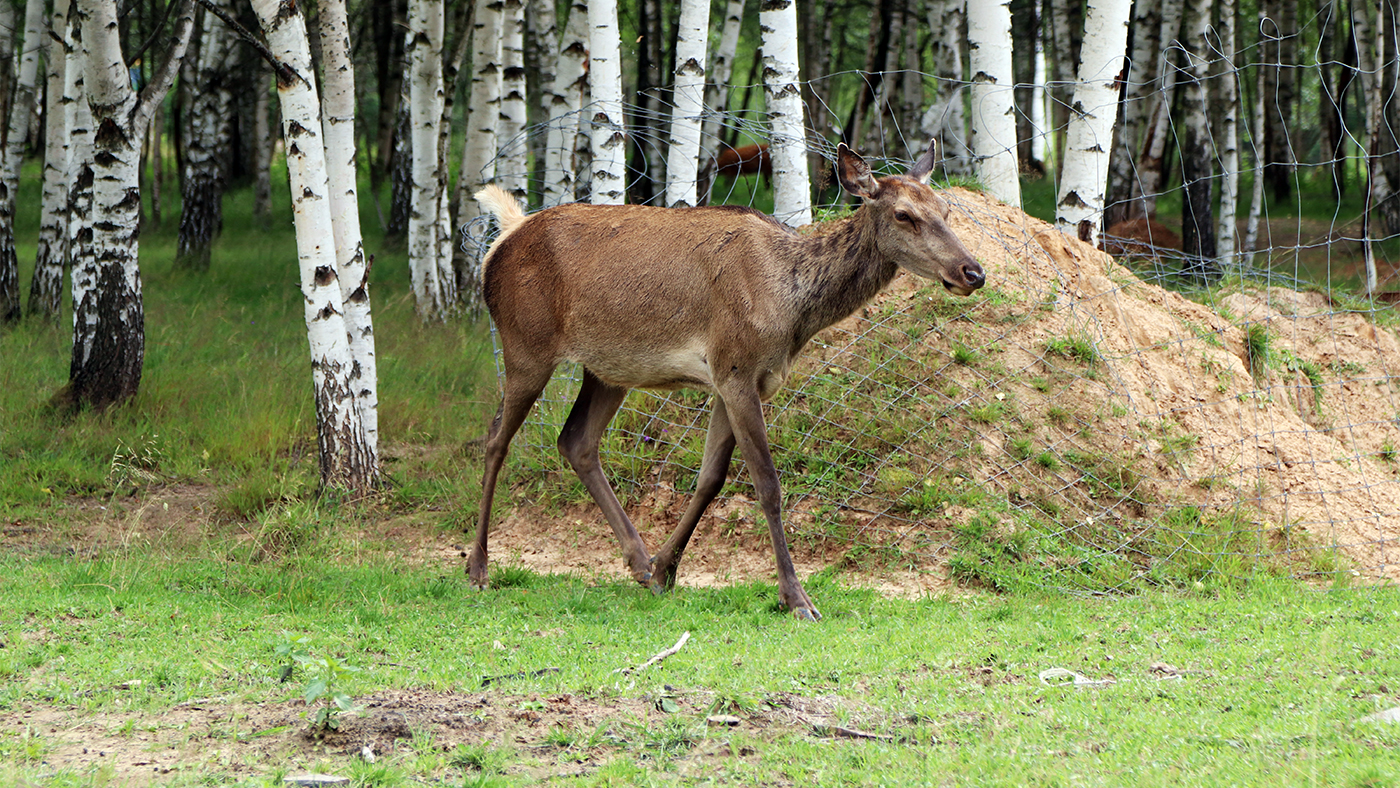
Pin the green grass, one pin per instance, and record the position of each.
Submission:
(1271, 679)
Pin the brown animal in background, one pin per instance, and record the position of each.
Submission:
(744, 160)
(719, 298)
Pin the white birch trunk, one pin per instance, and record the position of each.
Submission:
(77, 116)
(1039, 105)
(945, 119)
(21, 107)
(1198, 232)
(262, 145)
(787, 148)
(46, 288)
(688, 105)
(565, 105)
(339, 430)
(338, 124)
(109, 320)
(1229, 135)
(1256, 147)
(1141, 83)
(1149, 181)
(993, 99)
(512, 168)
(1370, 37)
(1089, 138)
(609, 138)
(425, 116)
(209, 114)
(717, 87)
(479, 152)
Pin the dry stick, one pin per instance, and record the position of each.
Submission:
(660, 656)
(285, 73)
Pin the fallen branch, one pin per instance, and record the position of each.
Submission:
(660, 656)
(524, 674)
(841, 732)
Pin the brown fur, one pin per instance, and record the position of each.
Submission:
(717, 298)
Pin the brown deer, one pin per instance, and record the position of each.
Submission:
(719, 298)
(744, 160)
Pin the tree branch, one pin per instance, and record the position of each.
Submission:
(157, 32)
(284, 72)
(164, 76)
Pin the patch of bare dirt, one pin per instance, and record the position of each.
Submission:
(547, 735)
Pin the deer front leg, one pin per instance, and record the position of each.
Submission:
(522, 389)
(719, 447)
(596, 404)
(746, 418)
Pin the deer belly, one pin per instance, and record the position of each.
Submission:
(651, 368)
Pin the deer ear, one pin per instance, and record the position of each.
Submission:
(923, 168)
(854, 173)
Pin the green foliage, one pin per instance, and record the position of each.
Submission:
(324, 687)
(1075, 348)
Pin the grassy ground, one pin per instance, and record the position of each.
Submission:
(1263, 687)
(130, 659)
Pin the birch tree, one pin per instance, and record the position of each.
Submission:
(945, 119)
(344, 455)
(717, 90)
(425, 229)
(479, 152)
(512, 171)
(1197, 163)
(352, 273)
(787, 148)
(565, 104)
(1228, 135)
(262, 144)
(993, 105)
(1148, 184)
(46, 287)
(109, 339)
(1089, 138)
(609, 140)
(1139, 77)
(21, 106)
(206, 141)
(688, 105)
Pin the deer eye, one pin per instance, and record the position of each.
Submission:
(901, 216)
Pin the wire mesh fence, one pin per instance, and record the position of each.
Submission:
(1084, 422)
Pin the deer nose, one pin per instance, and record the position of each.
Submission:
(973, 275)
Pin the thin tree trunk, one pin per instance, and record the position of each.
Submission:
(945, 119)
(1060, 57)
(262, 145)
(787, 148)
(993, 107)
(565, 103)
(1025, 29)
(1256, 149)
(688, 103)
(109, 320)
(1197, 164)
(1089, 138)
(46, 288)
(211, 106)
(512, 169)
(1282, 52)
(542, 39)
(1228, 135)
(1388, 172)
(479, 152)
(401, 166)
(717, 94)
(1154, 145)
(20, 109)
(352, 272)
(1140, 83)
(609, 140)
(426, 18)
(344, 456)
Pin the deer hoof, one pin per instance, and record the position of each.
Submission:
(807, 614)
(657, 589)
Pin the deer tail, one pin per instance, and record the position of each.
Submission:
(507, 210)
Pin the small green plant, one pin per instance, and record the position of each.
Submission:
(1387, 452)
(1076, 348)
(1258, 349)
(964, 355)
(325, 683)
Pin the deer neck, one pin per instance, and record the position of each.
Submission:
(835, 272)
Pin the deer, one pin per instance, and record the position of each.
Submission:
(718, 298)
(745, 160)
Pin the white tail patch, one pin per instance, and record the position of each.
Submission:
(508, 212)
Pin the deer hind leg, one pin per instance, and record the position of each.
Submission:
(522, 389)
(746, 417)
(719, 447)
(596, 404)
